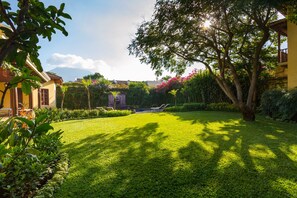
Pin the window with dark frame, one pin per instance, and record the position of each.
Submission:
(20, 95)
(44, 97)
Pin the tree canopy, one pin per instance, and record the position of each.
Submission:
(23, 28)
(94, 76)
(229, 37)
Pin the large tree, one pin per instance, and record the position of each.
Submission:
(230, 37)
(21, 26)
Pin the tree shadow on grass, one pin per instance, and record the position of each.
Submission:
(248, 159)
(235, 160)
(203, 117)
(129, 163)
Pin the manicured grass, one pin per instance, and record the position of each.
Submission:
(197, 154)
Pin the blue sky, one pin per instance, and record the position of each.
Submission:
(99, 34)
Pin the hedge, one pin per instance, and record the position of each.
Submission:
(56, 115)
(280, 104)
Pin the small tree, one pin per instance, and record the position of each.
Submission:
(174, 93)
(86, 83)
(20, 32)
(114, 94)
(64, 89)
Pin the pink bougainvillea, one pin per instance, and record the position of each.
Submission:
(175, 82)
(172, 83)
(190, 76)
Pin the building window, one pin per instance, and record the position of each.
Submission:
(20, 95)
(44, 97)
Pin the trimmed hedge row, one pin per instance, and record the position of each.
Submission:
(56, 115)
(280, 104)
(202, 106)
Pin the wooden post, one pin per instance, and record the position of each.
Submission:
(14, 101)
(279, 47)
(31, 100)
(39, 97)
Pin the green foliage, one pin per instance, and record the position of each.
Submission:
(202, 87)
(202, 106)
(23, 76)
(95, 76)
(187, 107)
(288, 105)
(27, 155)
(233, 45)
(288, 7)
(57, 115)
(222, 107)
(138, 94)
(194, 106)
(64, 88)
(269, 102)
(24, 27)
(279, 104)
(76, 97)
(173, 92)
(114, 94)
(20, 31)
(86, 82)
(175, 109)
(61, 170)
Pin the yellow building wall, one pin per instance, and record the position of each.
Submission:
(51, 86)
(292, 55)
(6, 103)
(35, 98)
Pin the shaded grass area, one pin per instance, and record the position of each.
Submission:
(196, 154)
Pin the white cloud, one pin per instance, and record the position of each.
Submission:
(78, 62)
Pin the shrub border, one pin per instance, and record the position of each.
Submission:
(57, 180)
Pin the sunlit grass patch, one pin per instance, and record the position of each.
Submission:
(197, 154)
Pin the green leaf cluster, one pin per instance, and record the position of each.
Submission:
(280, 104)
(28, 151)
(24, 27)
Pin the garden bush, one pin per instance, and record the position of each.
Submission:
(175, 109)
(187, 107)
(28, 155)
(288, 105)
(194, 106)
(55, 182)
(280, 104)
(222, 106)
(269, 103)
(201, 106)
(56, 115)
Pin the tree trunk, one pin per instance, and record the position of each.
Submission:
(89, 99)
(7, 87)
(248, 113)
(62, 102)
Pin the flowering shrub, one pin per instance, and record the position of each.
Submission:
(172, 83)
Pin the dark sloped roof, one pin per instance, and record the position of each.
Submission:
(57, 79)
(280, 26)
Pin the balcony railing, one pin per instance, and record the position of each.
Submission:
(283, 56)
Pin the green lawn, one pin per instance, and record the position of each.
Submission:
(197, 154)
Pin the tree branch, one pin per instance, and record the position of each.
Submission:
(8, 20)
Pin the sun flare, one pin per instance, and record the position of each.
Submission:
(207, 24)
